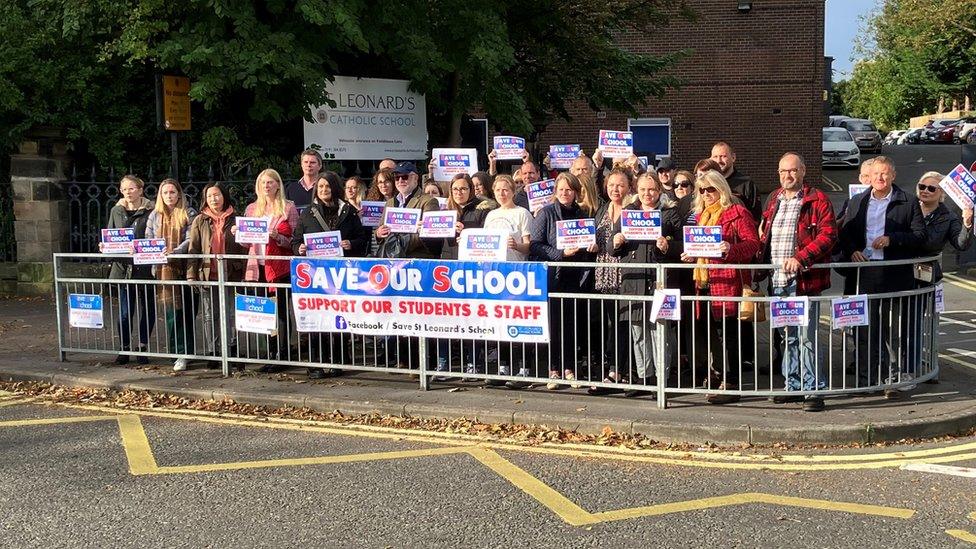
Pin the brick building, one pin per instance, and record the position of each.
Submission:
(754, 79)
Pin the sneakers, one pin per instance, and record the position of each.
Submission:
(552, 385)
(471, 370)
(441, 367)
(179, 365)
(316, 373)
(122, 360)
(523, 372)
(785, 399)
(568, 375)
(502, 371)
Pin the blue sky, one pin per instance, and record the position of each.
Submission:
(843, 22)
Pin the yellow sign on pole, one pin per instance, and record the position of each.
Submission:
(176, 103)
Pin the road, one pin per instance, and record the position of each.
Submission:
(81, 476)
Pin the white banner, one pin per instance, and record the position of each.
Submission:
(373, 118)
(450, 162)
(483, 245)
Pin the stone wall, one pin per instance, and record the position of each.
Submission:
(41, 219)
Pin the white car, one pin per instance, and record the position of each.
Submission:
(893, 136)
(910, 137)
(839, 148)
(966, 127)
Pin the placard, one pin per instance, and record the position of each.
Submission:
(849, 311)
(856, 189)
(371, 212)
(508, 147)
(441, 202)
(666, 305)
(439, 224)
(252, 230)
(939, 298)
(85, 311)
(575, 233)
(960, 185)
(561, 157)
(149, 251)
(257, 315)
(616, 144)
(450, 162)
(324, 244)
(118, 241)
(540, 194)
(640, 224)
(503, 301)
(402, 220)
(703, 241)
(483, 245)
(644, 162)
(789, 311)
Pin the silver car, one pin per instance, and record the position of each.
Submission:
(865, 134)
(839, 149)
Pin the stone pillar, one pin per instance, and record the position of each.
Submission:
(40, 214)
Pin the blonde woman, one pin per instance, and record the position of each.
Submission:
(354, 190)
(171, 220)
(589, 198)
(714, 205)
(283, 217)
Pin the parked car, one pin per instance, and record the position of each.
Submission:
(940, 131)
(911, 137)
(865, 134)
(836, 119)
(892, 137)
(966, 127)
(839, 149)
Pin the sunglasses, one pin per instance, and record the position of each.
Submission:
(704, 190)
(684, 184)
(402, 176)
(928, 188)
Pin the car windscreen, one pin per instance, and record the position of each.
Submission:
(836, 136)
(861, 127)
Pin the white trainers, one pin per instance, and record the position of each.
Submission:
(179, 365)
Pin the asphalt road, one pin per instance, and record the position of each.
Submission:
(179, 481)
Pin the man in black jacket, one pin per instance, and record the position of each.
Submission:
(302, 191)
(740, 184)
(882, 223)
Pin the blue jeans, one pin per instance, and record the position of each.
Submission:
(800, 352)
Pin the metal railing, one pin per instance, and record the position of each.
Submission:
(602, 342)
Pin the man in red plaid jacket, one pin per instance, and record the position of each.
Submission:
(799, 230)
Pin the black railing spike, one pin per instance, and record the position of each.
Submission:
(130, 170)
(150, 174)
(210, 173)
(247, 172)
(111, 173)
(93, 175)
(359, 170)
(74, 172)
(189, 174)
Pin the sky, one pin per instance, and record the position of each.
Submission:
(843, 22)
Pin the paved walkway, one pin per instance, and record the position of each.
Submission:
(28, 351)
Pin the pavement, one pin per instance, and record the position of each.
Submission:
(28, 352)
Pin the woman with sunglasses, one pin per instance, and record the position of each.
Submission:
(684, 182)
(942, 225)
(715, 206)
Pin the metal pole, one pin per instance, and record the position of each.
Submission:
(174, 146)
(224, 347)
(660, 342)
(57, 305)
(422, 351)
(934, 342)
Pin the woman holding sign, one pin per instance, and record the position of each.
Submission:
(942, 225)
(170, 220)
(471, 211)
(563, 232)
(282, 219)
(132, 212)
(739, 241)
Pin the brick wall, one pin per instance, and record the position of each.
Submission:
(754, 79)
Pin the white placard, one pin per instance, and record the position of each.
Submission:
(117, 241)
(253, 230)
(703, 241)
(441, 202)
(439, 224)
(373, 118)
(402, 220)
(666, 305)
(257, 315)
(789, 311)
(483, 245)
(149, 251)
(85, 311)
(960, 185)
(616, 144)
(575, 233)
(540, 194)
(856, 189)
(324, 244)
(450, 162)
(849, 311)
(371, 212)
(640, 224)
(939, 298)
(508, 148)
(561, 157)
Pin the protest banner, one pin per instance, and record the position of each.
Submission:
(149, 251)
(439, 224)
(256, 315)
(575, 233)
(483, 245)
(117, 241)
(856, 189)
(960, 185)
(450, 162)
(640, 224)
(503, 301)
(616, 144)
(253, 230)
(849, 311)
(85, 311)
(666, 305)
(372, 212)
(789, 311)
(324, 244)
(508, 148)
(561, 157)
(703, 241)
(540, 193)
(402, 220)
(939, 298)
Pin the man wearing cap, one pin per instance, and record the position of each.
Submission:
(409, 195)
(665, 174)
(301, 191)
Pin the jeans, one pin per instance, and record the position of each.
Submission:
(800, 353)
(644, 334)
(129, 296)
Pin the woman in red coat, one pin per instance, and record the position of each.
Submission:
(715, 206)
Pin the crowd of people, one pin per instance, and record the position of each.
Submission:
(795, 230)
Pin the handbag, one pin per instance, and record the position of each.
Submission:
(752, 311)
(394, 246)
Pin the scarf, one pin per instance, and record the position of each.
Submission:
(708, 216)
(173, 270)
(217, 222)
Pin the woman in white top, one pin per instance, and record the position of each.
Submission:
(511, 217)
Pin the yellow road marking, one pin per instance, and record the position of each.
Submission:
(972, 515)
(15, 401)
(53, 421)
(959, 281)
(962, 535)
(831, 184)
(136, 444)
